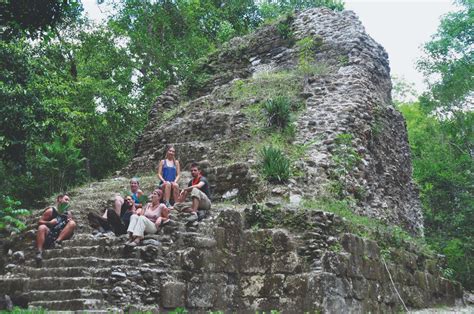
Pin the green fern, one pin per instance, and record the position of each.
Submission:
(10, 214)
(275, 165)
(278, 112)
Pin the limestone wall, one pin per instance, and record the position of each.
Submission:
(356, 100)
(351, 98)
(230, 261)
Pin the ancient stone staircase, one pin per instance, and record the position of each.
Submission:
(91, 272)
(225, 262)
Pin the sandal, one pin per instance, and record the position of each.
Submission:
(134, 242)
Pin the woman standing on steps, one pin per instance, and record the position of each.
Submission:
(147, 220)
(169, 172)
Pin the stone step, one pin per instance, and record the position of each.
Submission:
(91, 240)
(68, 305)
(61, 283)
(33, 272)
(85, 262)
(110, 239)
(13, 285)
(65, 294)
(22, 284)
(101, 251)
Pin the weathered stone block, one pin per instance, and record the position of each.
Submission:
(432, 266)
(226, 261)
(286, 263)
(192, 260)
(431, 283)
(355, 270)
(353, 244)
(295, 286)
(389, 295)
(448, 291)
(173, 294)
(370, 306)
(335, 304)
(254, 263)
(204, 243)
(231, 222)
(219, 235)
(372, 269)
(272, 286)
(413, 297)
(267, 304)
(360, 288)
(282, 241)
(206, 290)
(420, 280)
(338, 263)
(226, 299)
(372, 250)
(252, 285)
(374, 290)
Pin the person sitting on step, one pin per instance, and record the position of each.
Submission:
(54, 226)
(198, 188)
(110, 221)
(117, 219)
(136, 194)
(169, 172)
(148, 219)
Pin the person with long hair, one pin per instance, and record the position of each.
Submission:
(148, 219)
(169, 172)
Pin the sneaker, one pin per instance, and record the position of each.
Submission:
(39, 257)
(194, 217)
(201, 214)
(133, 243)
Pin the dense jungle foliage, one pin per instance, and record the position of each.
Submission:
(441, 135)
(75, 96)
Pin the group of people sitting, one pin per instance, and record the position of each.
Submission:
(135, 213)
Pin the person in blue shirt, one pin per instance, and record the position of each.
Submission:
(169, 172)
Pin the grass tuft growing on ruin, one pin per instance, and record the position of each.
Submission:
(275, 165)
(278, 112)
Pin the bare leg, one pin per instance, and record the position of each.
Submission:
(117, 205)
(175, 188)
(68, 231)
(167, 192)
(43, 230)
(195, 205)
(165, 213)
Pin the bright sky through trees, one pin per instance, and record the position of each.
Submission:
(402, 27)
